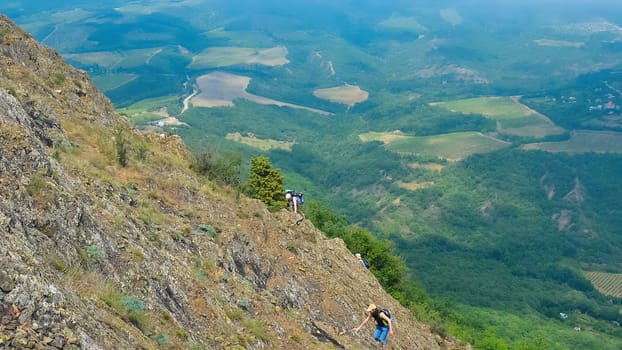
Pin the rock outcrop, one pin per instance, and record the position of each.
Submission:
(109, 241)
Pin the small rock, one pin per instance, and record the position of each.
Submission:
(11, 326)
(72, 339)
(6, 282)
(15, 311)
(58, 342)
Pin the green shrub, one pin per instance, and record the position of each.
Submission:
(40, 189)
(141, 152)
(129, 307)
(95, 252)
(59, 79)
(160, 339)
(257, 328)
(292, 246)
(266, 183)
(112, 298)
(244, 304)
(225, 168)
(132, 303)
(234, 314)
(211, 230)
(181, 333)
(139, 319)
(138, 254)
(58, 262)
(121, 147)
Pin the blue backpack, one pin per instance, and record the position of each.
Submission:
(298, 197)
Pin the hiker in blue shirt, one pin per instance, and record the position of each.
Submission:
(384, 326)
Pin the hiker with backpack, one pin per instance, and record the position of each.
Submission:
(362, 260)
(294, 199)
(384, 326)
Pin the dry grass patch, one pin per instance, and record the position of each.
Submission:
(84, 283)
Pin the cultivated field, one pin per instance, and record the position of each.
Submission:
(558, 43)
(451, 16)
(215, 57)
(145, 9)
(116, 59)
(113, 80)
(512, 117)
(583, 142)
(452, 146)
(66, 38)
(402, 23)
(220, 89)
(105, 59)
(606, 283)
(347, 94)
(262, 144)
(384, 137)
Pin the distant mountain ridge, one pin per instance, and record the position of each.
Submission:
(109, 241)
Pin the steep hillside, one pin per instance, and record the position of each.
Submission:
(109, 241)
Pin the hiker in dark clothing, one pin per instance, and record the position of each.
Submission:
(362, 260)
(384, 326)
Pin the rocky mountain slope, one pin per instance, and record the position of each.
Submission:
(109, 241)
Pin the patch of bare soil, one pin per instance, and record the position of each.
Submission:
(346, 94)
(220, 89)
